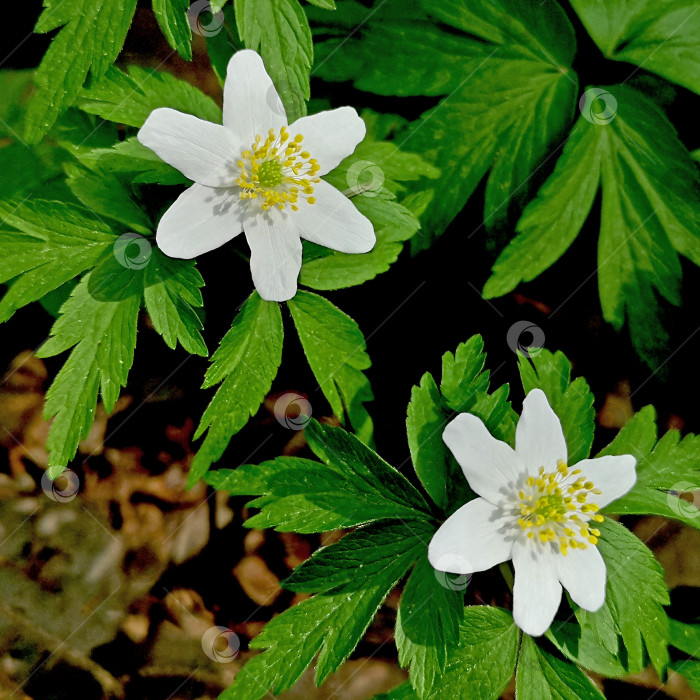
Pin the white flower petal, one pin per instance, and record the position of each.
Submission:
(202, 151)
(334, 221)
(473, 538)
(330, 136)
(275, 253)
(490, 466)
(614, 475)
(539, 439)
(201, 219)
(536, 591)
(251, 103)
(582, 572)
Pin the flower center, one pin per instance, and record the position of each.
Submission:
(277, 171)
(553, 508)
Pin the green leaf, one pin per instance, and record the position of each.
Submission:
(340, 449)
(393, 225)
(134, 160)
(300, 495)
(650, 213)
(336, 351)
(504, 68)
(427, 624)
(106, 195)
(463, 389)
(671, 469)
(690, 670)
(634, 596)
(372, 176)
(571, 401)
(542, 676)
(128, 98)
(662, 37)
(603, 655)
(92, 37)
(99, 322)
(552, 221)
(57, 242)
(324, 4)
(173, 21)
(245, 362)
(172, 295)
(359, 557)
(330, 623)
(485, 659)
(685, 637)
(222, 45)
(279, 31)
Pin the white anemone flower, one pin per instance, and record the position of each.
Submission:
(533, 509)
(257, 174)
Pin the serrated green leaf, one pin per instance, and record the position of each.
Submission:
(484, 661)
(340, 449)
(372, 175)
(90, 41)
(300, 495)
(504, 68)
(172, 18)
(172, 295)
(128, 98)
(359, 557)
(463, 389)
(99, 322)
(463, 375)
(330, 623)
(106, 195)
(279, 31)
(671, 469)
(336, 351)
(662, 37)
(245, 362)
(223, 44)
(571, 401)
(134, 160)
(587, 649)
(685, 637)
(552, 221)
(427, 625)
(634, 596)
(650, 213)
(425, 422)
(542, 676)
(57, 242)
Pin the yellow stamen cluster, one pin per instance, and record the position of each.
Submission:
(277, 171)
(553, 508)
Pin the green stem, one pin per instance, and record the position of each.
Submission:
(507, 574)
